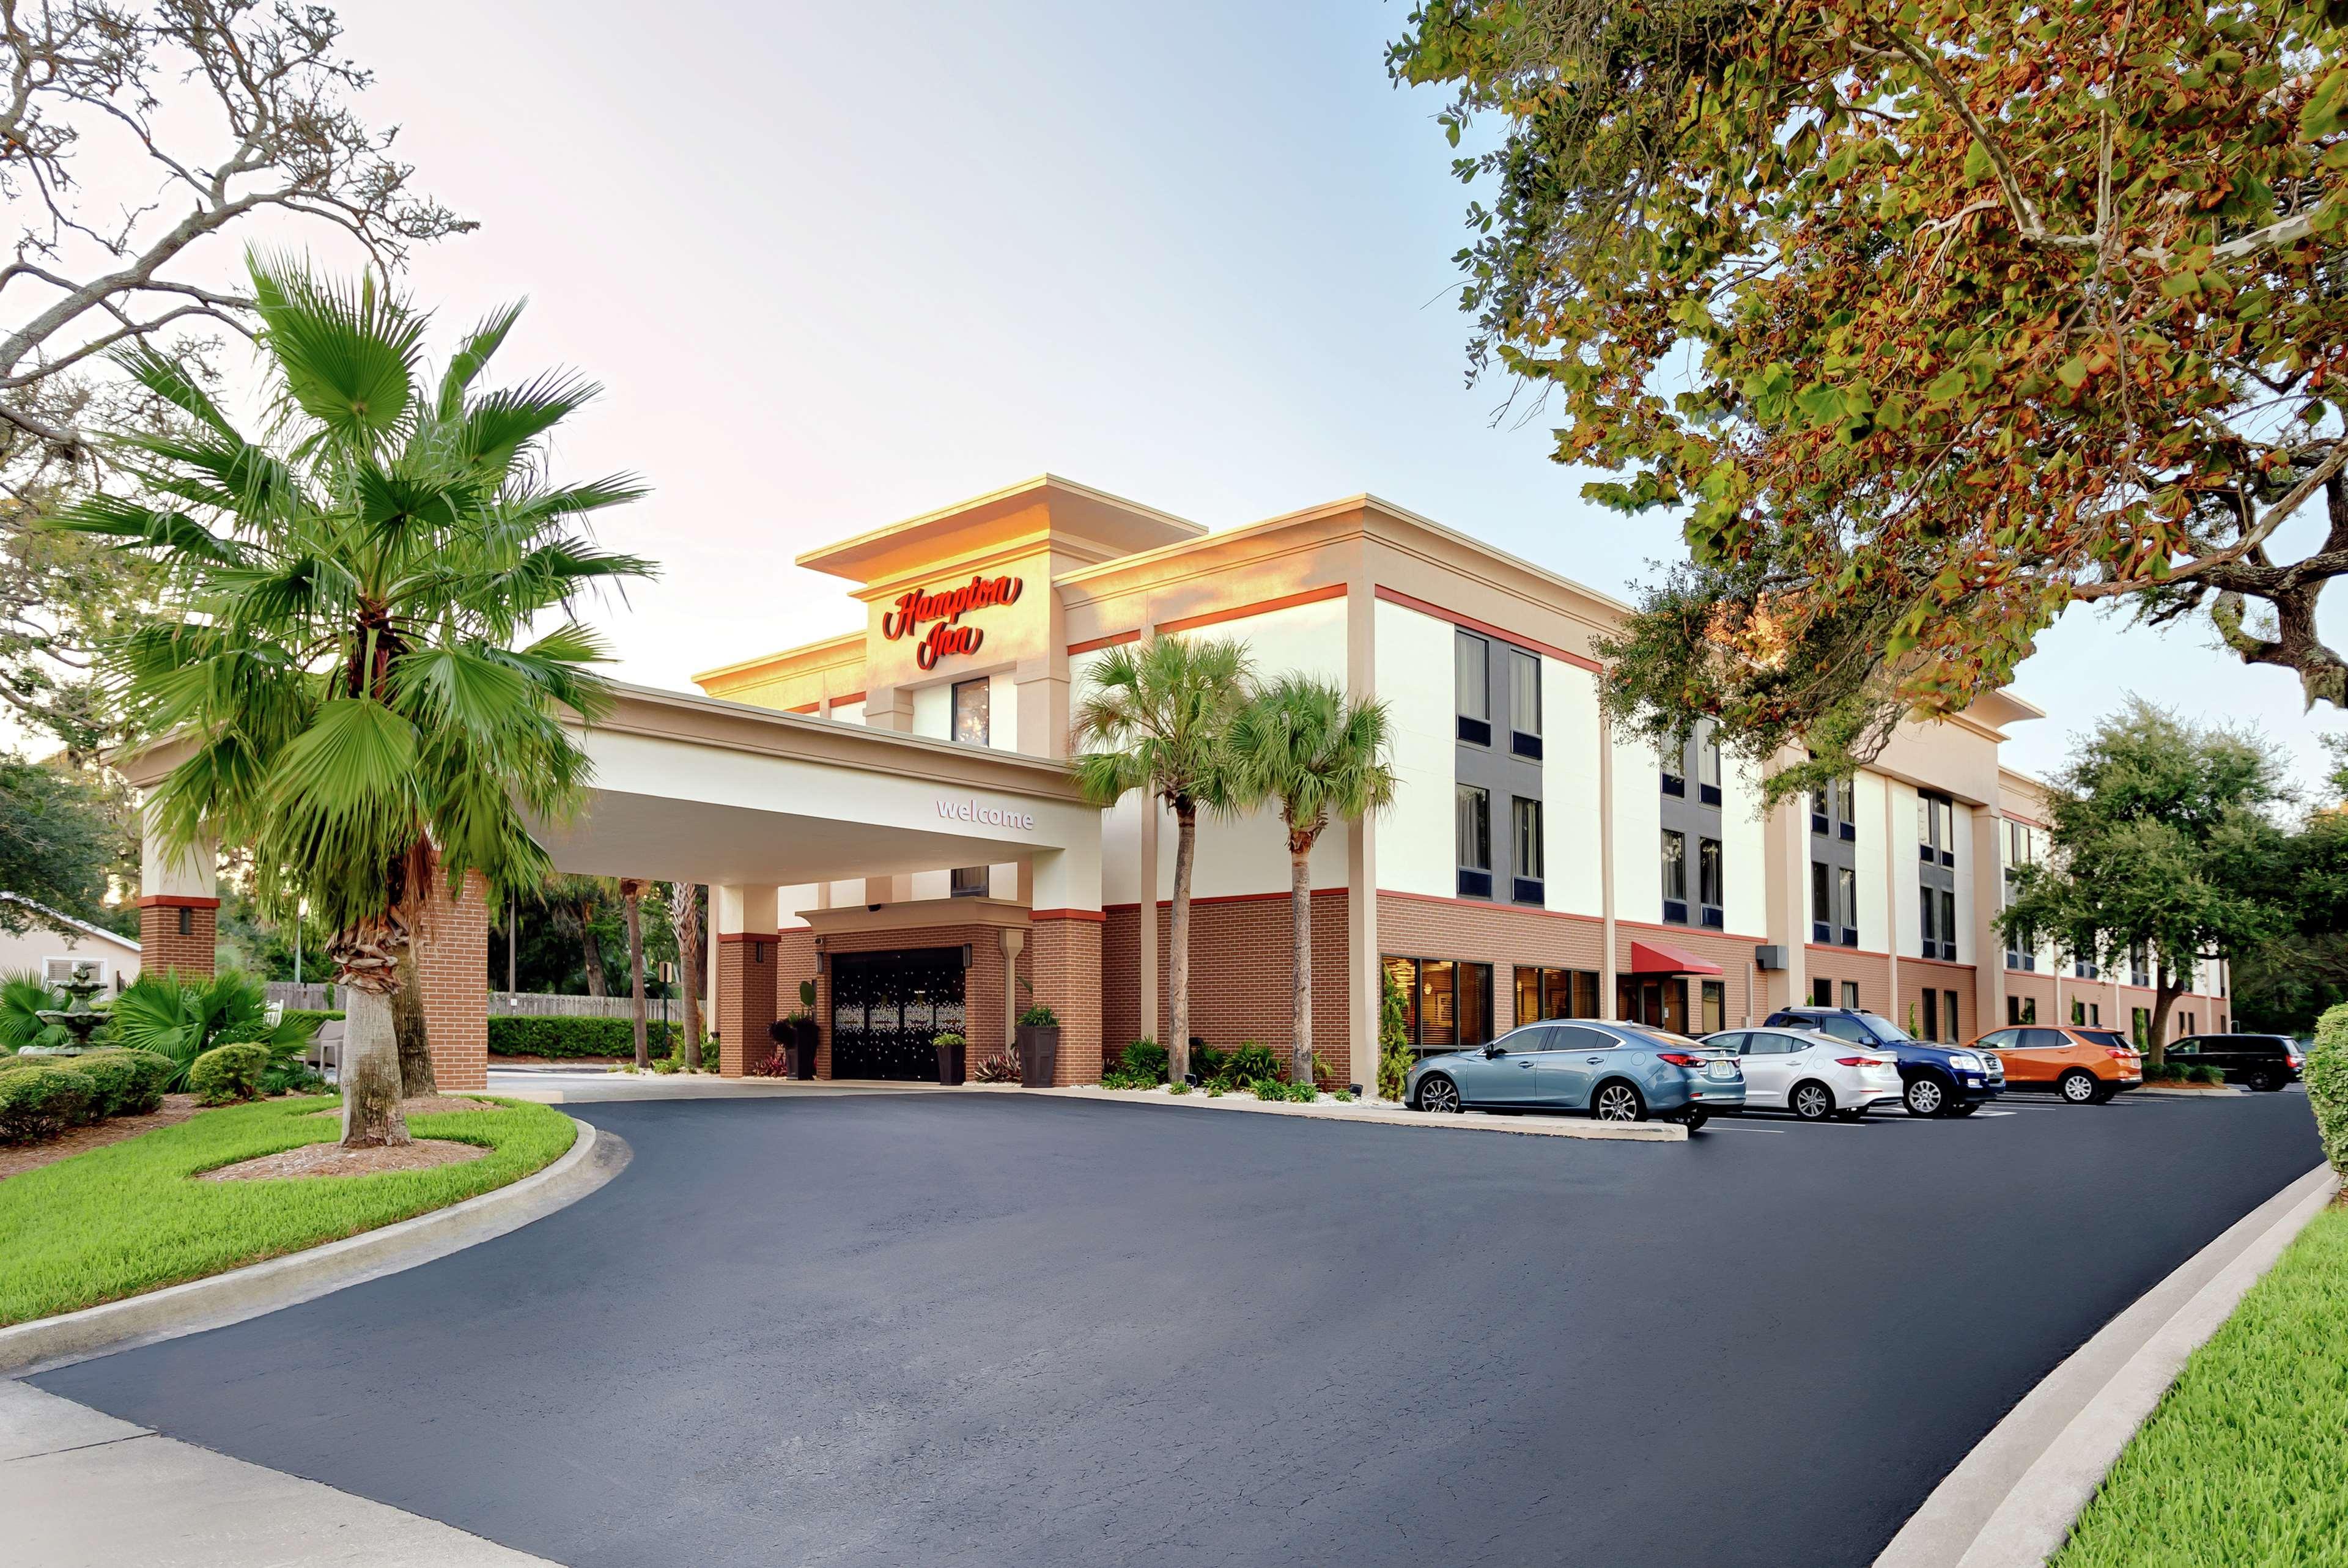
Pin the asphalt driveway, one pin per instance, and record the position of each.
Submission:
(983, 1329)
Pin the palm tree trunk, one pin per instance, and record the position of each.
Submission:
(1299, 912)
(684, 917)
(631, 898)
(366, 968)
(592, 950)
(415, 1075)
(1178, 944)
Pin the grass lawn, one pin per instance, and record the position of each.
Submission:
(125, 1218)
(2242, 1464)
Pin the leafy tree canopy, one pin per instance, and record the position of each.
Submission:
(1928, 321)
(56, 843)
(2162, 842)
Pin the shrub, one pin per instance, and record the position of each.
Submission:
(666, 1064)
(227, 1073)
(1324, 1075)
(124, 1083)
(1395, 1058)
(1177, 1089)
(1144, 1058)
(1275, 1089)
(1205, 1061)
(1249, 1063)
(183, 1016)
(1039, 1017)
(43, 1101)
(1001, 1069)
(2205, 1073)
(2326, 1075)
(577, 1037)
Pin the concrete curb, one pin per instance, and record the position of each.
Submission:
(221, 1299)
(2013, 1500)
(1361, 1114)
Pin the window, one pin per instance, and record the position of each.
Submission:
(1929, 908)
(1821, 992)
(1524, 703)
(1936, 830)
(1850, 995)
(1847, 895)
(1707, 883)
(1526, 887)
(971, 725)
(1846, 795)
(1439, 1003)
(2095, 1015)
(1544, 993)
(1949, 1014)
(1707, 767)
(971, 881)
(1475, 842)
(1445, 1004)
(1938, 908)
(1475, 1003)
(1949, 924)
(1675, 876)
(1715, 1008)
(1822, 906)
(1471, 671)
(2139, 966)
(2083, 967)
(1931, 1015)
(2022, 1010)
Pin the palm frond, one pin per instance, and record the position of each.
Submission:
(479, 347)
(346, 357)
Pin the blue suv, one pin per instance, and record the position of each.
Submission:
(1934, 1080)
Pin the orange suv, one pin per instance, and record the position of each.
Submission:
(2084, 1066)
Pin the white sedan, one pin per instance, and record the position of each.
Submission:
(1813, 1075)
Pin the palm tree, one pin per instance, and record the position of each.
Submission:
(1300, 745)
(184, 1016)
(632, 910)
(1157, 714)
(349, 658)
(684, 919)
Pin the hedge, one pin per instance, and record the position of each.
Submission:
(560, 1037)
(126, 1082)
(228, 1072)
(2326, 1076)
(42, 1102)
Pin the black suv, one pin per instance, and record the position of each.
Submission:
(2264, 1062)
(1935, 1079)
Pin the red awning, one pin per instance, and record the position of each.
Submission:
(1654, 959)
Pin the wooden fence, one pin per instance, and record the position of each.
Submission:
(502, 1004)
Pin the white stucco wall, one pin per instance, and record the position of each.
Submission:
(1869, 853)
(1412, 654)
(1572, 811)
(1908, 916)
(1639, 833)
(1744, 851)
(1964, 848)
(28, 950)
(847, 713)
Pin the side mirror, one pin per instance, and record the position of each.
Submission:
(1494, 1049)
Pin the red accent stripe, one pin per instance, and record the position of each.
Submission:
(1093, 915)
(1261, 607)
(747, 935)
(177, 901)
(848, 698)
(1393, 596)
(804, 708)
(1197, 901)
(1114, 640)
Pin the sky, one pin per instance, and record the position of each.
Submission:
(839, 265)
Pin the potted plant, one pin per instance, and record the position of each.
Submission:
(1039, 1046)
(808, 1033)
(949, 1059)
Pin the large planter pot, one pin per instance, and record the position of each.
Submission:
(1039, 1053)
(950, 1063)
(804, 1038)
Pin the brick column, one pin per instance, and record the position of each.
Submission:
(179, 904)
(746, 999)
(452, 963)
(1064, 959)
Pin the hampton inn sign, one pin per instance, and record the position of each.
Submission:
(945, 613)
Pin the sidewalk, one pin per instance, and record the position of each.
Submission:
(82, 1490)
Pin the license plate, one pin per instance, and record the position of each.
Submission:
(1723, 1070)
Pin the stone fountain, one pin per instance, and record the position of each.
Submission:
(75, 1017)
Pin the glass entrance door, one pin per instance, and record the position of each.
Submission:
(888, 1009)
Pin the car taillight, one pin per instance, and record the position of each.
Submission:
(2123, 1052)
(1859, 1061)
(1680, 1059)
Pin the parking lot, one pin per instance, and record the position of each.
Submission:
(924, 1329)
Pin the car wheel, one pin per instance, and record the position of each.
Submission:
(2262, 1080)
(1617, 1101)
(1925, 1097)
(2078, 1086)
(1695, 1120)
(1438, 1094)
(1811, 1101)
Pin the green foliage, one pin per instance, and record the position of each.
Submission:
(1179, 1087)
(227, 1073)
(55, 841)
(2161, 841)
(354, 654)
(1250, 1065)
(1206, 1063)
(563, 1038)
(2326, 1077)
(117, 1221)
(125, 1083)
(1144, 1059)
(1300, 745)
(1395, 1058)
(182, 1016)
(1156, 716)
(38, 1103)
(23, 996)
(1922, 322)
(1280, 1088)
(1039, 1017)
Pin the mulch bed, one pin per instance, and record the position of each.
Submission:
(16, 1159)
(334, 1160)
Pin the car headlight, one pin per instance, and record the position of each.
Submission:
(1968, 1062)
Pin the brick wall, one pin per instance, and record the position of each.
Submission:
(744, 1006)
(1121, 976)
(452, 961)
(164, 944)
(1241, 973)
(1064, 961)
(1497, 934)
(983, 983)
(1917, 975)
(1871, 970)
(795, 962)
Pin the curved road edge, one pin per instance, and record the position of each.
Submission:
(220, 1299)
(2012, 1502)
